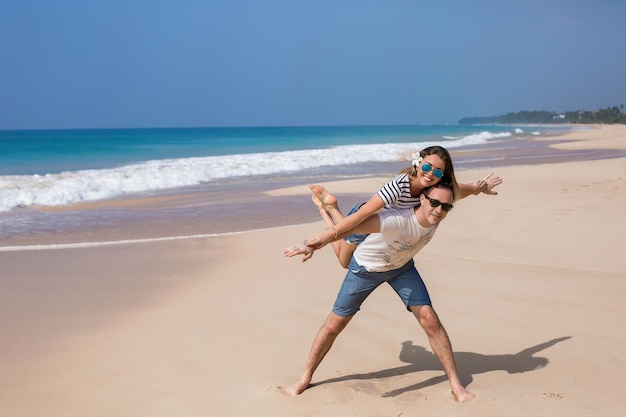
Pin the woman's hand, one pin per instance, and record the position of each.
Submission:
(486, 185)
(320, 239)
(490, 183)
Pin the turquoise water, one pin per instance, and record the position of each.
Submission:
(57, 167)
(52, 151)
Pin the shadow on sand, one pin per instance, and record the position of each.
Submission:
(468, 364)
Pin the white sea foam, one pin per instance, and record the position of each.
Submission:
(84, 245)
(89, 185)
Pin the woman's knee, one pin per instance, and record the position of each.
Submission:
(344, 262)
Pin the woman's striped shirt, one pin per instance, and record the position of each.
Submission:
(397, 193)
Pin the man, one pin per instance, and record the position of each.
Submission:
(386, 255)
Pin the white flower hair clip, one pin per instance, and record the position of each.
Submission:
(416, 159)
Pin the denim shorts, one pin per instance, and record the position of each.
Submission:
(359, 284)
(355, 238)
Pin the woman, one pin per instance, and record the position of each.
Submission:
(431, 166)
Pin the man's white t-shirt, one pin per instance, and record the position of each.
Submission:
(400, 238)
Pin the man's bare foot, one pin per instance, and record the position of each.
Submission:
(462, 395)
(327, 199)
(296, 388)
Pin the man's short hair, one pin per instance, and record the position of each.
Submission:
(440, 184)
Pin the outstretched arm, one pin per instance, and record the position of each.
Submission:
(299, 249)
(486, 186)
(344, 226)
(369, 225)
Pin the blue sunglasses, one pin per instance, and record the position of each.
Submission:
(426, 167)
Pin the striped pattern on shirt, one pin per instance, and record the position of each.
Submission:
(397, 193)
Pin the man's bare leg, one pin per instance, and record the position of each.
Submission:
(440, 343)
(322, 343)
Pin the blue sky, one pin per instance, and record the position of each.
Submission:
(136, 63)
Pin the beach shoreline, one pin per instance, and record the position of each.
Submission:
(529, 284)
(214, 210)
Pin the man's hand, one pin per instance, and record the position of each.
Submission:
(299, 249)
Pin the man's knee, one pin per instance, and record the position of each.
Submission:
(427, 318)
(335, 324)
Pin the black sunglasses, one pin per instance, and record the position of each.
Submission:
(436, 203)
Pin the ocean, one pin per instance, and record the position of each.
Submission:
(44, 171)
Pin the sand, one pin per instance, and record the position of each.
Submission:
(530, 284)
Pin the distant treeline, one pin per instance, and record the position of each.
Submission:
(603, 116)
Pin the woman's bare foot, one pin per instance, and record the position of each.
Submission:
(318, 203)
(327, 200)
(326, 203)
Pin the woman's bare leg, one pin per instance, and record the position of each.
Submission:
(326, 203)
(328, 220)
